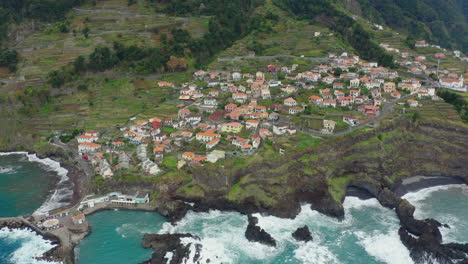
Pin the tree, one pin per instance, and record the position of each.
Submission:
(9, 58)
(337, 72)
(101, 59)
(410, 42)
(86, 32)
(80, 64)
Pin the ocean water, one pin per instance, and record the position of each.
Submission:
(31, 185)
(116, 237)
(368, 234)
(28, 185)
(20, 246)
(448, 205)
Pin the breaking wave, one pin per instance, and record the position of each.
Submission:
(222, 236)
(29, 246)
(63, 192)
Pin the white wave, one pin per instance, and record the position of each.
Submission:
(421, 200)
(314, 253)
(385, 247)
(421, 195)
(64, 187)
(222, 236)
(356, 203)
(32, 246)
(7, 170)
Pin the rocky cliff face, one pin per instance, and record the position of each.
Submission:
(169, 249)
(320, 175)
(375, 160)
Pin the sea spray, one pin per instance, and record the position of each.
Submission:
(23, 246)
(63, 191)
(364, 236)
(446, 204)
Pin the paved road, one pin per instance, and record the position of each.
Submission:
(83, 163)
(387, 108)
(95, 11)
(238, 58)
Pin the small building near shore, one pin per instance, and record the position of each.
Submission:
(78, 219)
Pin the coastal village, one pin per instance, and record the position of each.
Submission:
(224, 114)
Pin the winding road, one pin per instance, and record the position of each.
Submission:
(386, 109)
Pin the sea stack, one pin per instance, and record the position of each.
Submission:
(302, 234)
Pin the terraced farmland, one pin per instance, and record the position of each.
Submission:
(110, 20)
(438, 109)
(106, 104)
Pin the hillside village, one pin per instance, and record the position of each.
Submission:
(228, 114)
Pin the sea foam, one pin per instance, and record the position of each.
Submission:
(32, 246)
(64, 189)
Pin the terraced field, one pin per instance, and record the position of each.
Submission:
(106, 104)
(110, 20)
(437, 109)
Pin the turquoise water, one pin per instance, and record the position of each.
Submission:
(368, 234)
(448, 205)
(24, 185)
(20, 246)
(116, 237)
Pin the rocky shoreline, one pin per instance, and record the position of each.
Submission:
(417, 151)
(421, 237)
(427, 245)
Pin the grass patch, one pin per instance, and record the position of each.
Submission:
(337, 187)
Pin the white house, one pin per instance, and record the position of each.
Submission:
(280, 129)
(236, 76)
(150, 167)
(87, 138)
(453, 84)
(87, 147)
(354, 83)
(290, 102)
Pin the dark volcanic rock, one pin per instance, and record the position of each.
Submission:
(255, 234)
(162, 244)
(302, 234)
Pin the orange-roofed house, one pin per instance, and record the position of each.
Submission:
(207, 136)
(331, 103)
(213, 143)
(129, 134)
(184, 113)
(117, 144)
(198, 160)
(314, 99)
(188, 156)
(290, 102)
(354, 93)
(412, 103)
(92, 133)
(230, 107)
(251, 124)
(395, 94)
(78, 219)
(163, 84)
